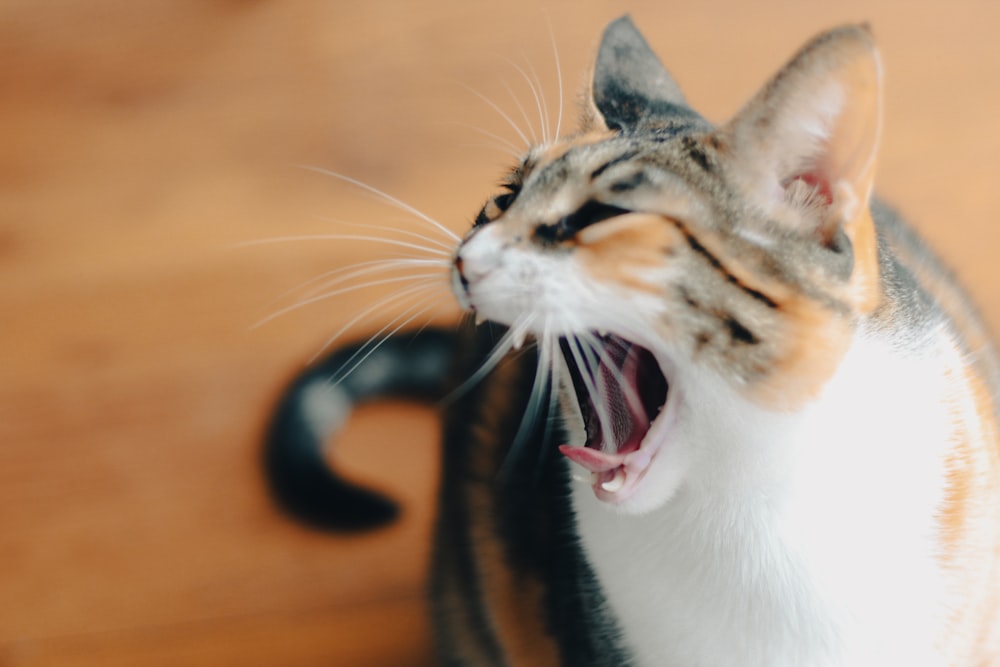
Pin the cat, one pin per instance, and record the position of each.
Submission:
(781, 408)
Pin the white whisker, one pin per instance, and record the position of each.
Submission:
(577, 351)
(535, 93)
(524, 113)
(351, 271)
(343, 290)
(541, 94)
(386, 197)
(591, 341)
(539, 387)
(346, 237)
(423, 286)
(500, 350)
(379, 267)
(502, 113)
(423, 307)
(507, 143)
(555, 54)
(449, 246)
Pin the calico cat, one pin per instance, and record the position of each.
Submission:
(782, 407)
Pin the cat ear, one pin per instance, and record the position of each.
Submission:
(810, 136)
(630, 86)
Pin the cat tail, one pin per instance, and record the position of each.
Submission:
(316, 404)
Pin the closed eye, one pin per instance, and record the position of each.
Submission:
(495, 207)
(568, 226)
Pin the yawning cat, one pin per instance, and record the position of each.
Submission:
(781, 406)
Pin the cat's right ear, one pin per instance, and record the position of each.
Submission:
(815, 126)
(804, 148)
(631, 88)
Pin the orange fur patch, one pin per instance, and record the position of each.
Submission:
(866, 284)
(815, 341)
(968, 517)
(617, 251)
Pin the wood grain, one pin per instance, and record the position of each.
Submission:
(144, 143)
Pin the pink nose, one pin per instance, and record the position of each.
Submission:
(478, 257)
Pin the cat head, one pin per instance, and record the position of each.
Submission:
(664, 264)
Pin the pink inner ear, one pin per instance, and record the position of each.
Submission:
(815, 180)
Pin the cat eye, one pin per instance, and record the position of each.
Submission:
(498, 205)
(589, 214)
(503, 201)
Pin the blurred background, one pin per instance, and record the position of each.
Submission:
(144, 144)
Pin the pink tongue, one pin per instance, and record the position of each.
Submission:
(593, 460)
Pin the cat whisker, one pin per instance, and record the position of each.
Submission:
(343, 290)
(352, 271)
(506, 146)
(383, 266)
(546, 135)
(596, 347)
(534, 93)
(524, 113)
(559, 80)
(366, 350)
(345, 237)
(576, 351)
(500, 350)
(447, 246)
(387, 198)
(371, 283)
(540, 388)
(425, 285)
(493, 105)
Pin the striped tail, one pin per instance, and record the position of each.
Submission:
(316, 405)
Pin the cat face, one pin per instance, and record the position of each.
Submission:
(665, 265)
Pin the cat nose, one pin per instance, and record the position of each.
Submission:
(478, 257)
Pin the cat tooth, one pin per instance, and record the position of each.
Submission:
(519, 336)
(595, 478)
(479, 319)
(603, 333)
(616, 483)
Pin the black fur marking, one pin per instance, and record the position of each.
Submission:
(630, 183)
(718, 266)
(628, 155)
(568, 226)
(697, 153)
(739, 333)
(688, 299)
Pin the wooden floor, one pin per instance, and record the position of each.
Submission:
(145, 144)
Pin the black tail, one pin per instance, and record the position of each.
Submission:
(316, 404)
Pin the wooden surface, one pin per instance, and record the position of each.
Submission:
(144, 142)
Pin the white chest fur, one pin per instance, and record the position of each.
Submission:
(806, 540)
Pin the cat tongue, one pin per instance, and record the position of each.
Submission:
(593, 460)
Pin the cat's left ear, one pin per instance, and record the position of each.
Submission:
(810, 136)
(631, 88)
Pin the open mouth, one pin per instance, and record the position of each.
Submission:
(620, 390)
